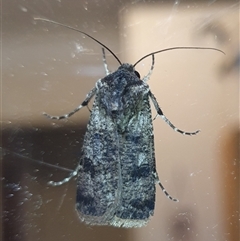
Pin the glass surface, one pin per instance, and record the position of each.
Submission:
(48, 68)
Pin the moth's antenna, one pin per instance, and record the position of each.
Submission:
(173, 48)
(77, 30)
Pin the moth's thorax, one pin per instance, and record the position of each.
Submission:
(121, 92)
(120, 95)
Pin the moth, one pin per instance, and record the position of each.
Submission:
(116, 174)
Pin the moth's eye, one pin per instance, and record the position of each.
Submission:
(136, 73)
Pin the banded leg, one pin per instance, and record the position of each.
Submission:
(105, 62)
(159, 112)
(72, 174)
(84, 103)
(147, 77)
(163, 189)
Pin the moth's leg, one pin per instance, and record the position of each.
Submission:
(105, 62)
(159, 112)
(72, 174)
(163, 189)
(84, 103)
(147, 77)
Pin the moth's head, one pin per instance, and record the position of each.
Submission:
(130, 68)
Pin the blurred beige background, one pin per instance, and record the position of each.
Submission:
(50, 68)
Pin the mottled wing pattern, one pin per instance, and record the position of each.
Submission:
(137, 168)
(98, 177)
(116, 185)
